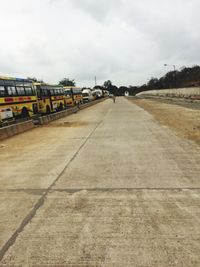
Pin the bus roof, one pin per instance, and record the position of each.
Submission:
(72, 87)
(15, 79)
(48, 86)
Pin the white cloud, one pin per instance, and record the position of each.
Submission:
(122, 40)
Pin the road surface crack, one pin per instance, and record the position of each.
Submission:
(41, 200)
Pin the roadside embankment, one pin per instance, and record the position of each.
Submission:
(191, 92)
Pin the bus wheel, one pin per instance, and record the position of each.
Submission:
(25, 112)
(61, 106)
(48, 111)
(35, 109)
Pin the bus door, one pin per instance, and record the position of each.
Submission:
(43, 99)
(5, 111)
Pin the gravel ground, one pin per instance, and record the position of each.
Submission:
(188, 103)
(183, 116)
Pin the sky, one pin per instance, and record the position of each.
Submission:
(125, 41)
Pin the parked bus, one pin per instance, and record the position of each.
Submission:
(88, 95)
(50, 97)
(76, 94)
(69, 97)
(17, 98)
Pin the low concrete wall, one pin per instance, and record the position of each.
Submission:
(191, 92)
(55, 116)
(14, 129)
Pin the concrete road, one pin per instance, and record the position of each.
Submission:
(107, 186)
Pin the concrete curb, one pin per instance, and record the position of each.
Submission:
(55, 116)
(11, 130)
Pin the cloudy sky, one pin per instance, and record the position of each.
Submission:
(126, 41)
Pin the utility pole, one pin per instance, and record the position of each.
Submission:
(174, 72)
(95, 80)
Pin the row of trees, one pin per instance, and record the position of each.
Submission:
(113, 89)
(67, 82)
(64, 82)
(185, 77)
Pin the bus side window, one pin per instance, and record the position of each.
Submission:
(2, 91)
(28, 91)
(11, 90)
(47, 92)
(43, 92)
(20, 90)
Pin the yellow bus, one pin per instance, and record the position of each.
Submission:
(69, 98)
(76, 93)
(17, 98)
(50, 97)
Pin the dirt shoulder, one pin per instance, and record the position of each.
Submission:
(185, 121)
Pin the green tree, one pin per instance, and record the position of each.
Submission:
(67, 82)
(121, 90)
(34, 79)
(98, 87)
(107, 84)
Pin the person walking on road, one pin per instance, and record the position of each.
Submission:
(114, 98)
